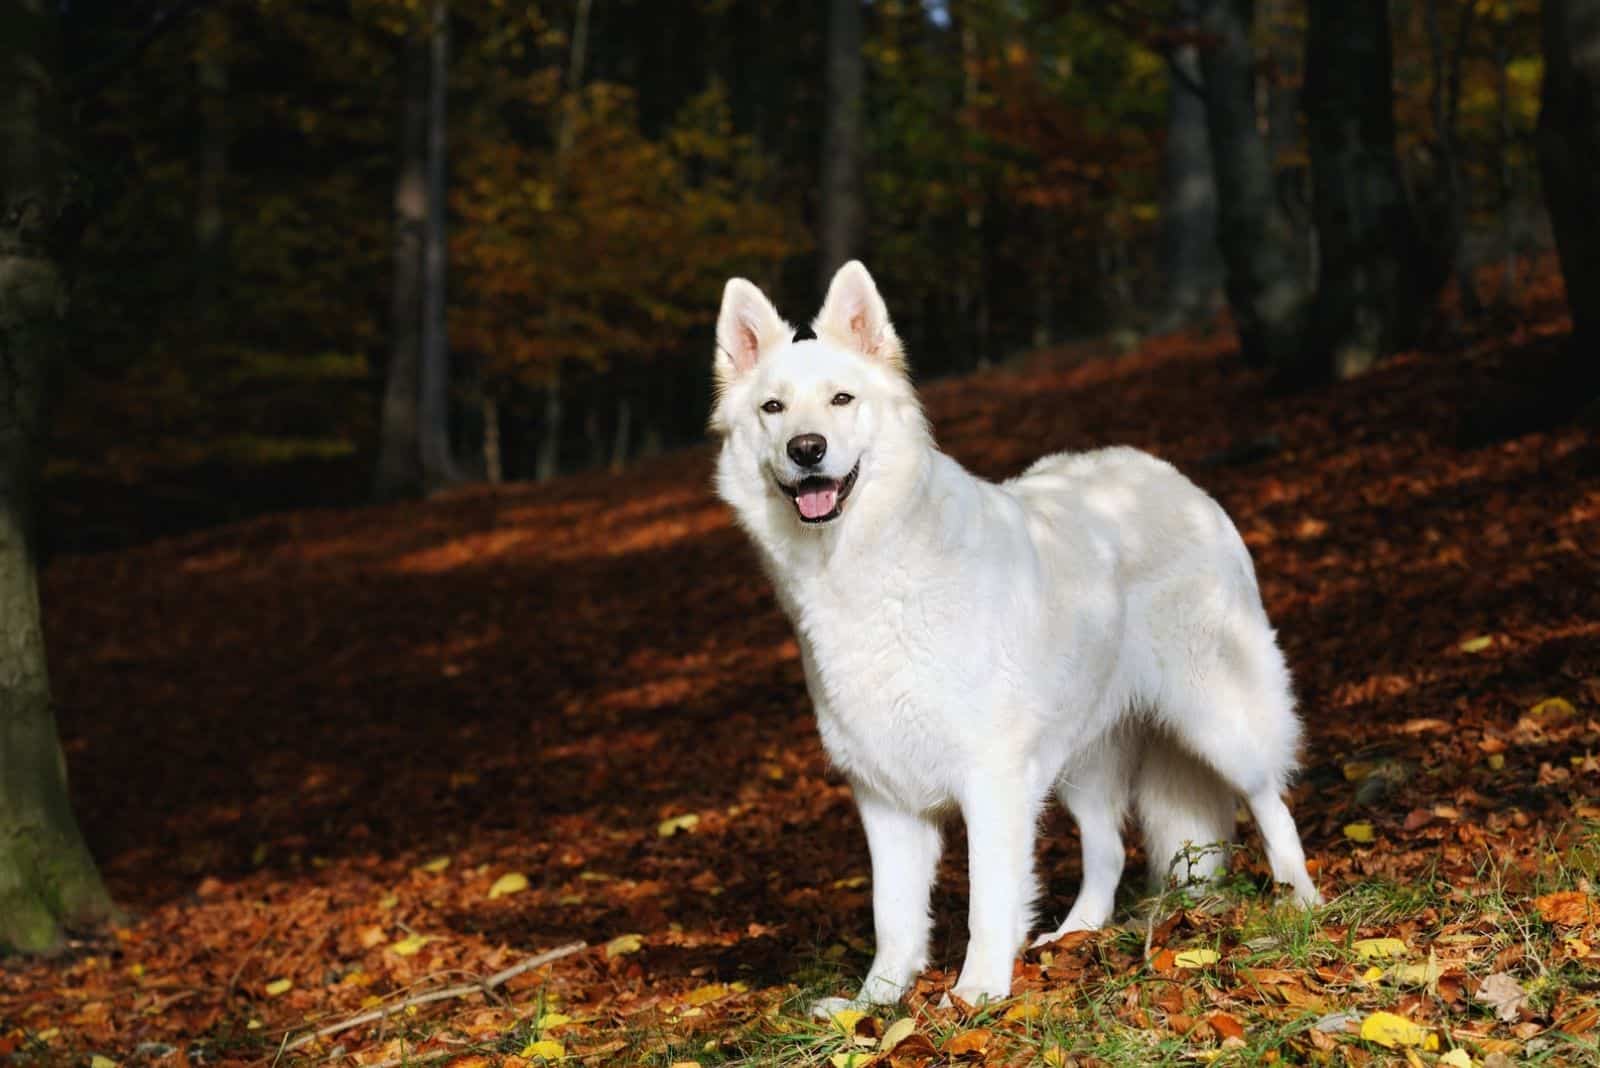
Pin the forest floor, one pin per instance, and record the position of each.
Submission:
(335, 760)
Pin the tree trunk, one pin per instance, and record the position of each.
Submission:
(1264, 289)
(842, 208)
(1569, 145)
(212, 77)
(399, 451)
(548, 463)
(47, 879)
(1190, 263)
(1366, 298)
(438, 467)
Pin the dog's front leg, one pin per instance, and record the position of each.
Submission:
(905, 852)
(1000, 829)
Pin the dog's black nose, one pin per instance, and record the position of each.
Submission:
(807, 450)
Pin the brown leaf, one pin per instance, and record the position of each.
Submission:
(1570, 908)
(1225, 1025)
(974, 1041)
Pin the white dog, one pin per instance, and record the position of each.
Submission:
(1091, 627)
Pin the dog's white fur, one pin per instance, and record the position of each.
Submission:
(1091, 627)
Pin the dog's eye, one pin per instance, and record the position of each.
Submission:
(841, 399)
(772, 407)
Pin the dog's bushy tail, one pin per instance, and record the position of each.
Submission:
(1186, 813)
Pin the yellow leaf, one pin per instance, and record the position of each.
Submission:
(706, 994)
(510, 883)
(1055, 1057)
(1372, 975)
(846, 1020)
(628, 943)
(1359, 832)
(1456, 1058)
(1476, 645)
(551, 1020)
(897, 1033)
(1424, 974)
(1393, 1032)
(1552, 706)
(545, 1049)
(408, 946)
(687, 822)
(1378, 948)
(388, 902)
(1195, 958)
(1357, 770)
(1023, 1010)
(278, 986)
(99, 1061)
(854, 882)
(848, 1060)
(1496, 761)
(437, 865)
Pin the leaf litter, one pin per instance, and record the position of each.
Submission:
(367, 755)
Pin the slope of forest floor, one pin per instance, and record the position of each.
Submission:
(334, 760)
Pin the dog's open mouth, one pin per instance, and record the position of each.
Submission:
(819, 499)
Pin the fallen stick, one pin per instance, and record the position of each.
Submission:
(447, 994)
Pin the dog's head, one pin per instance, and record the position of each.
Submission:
(802, 421)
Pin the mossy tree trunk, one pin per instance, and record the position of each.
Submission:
(47, 879)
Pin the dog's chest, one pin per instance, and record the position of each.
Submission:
(904, 686)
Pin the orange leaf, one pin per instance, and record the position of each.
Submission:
(974, 1041)
(1225, 1025)
(1569, 908)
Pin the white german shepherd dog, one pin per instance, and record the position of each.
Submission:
(1091, 627)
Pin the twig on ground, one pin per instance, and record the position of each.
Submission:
(487, 986)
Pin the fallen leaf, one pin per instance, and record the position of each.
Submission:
(1476, 645)
(1570, 908)
(1379, 948)
(669, 827)
(1553, 707)
(897, 1033)
(510, 883)
(1055, 1057)
(628, 943)
(1456, 1058)
(279, 986)
(436, 865)
(1023, 1010)
(706, 994)
(1359, 832)
(1195, 958)
(408, 946)
(551, 1020)
(974, 1041)
(546, 1049)
(1503, 994)
(847, 1019)
(99, 1061)
(1225, 1025)
(1394, 1032)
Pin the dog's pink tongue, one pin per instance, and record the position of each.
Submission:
(818, 502)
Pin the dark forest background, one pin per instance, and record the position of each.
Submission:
(259, 184)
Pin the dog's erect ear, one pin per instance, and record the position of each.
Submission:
(854, 317)
(747, 326)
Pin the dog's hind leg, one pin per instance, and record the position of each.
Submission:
(1186, 813)
(1233, 709)
(1095, 791)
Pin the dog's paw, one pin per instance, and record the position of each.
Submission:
(976, 996)
(828, 1008)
